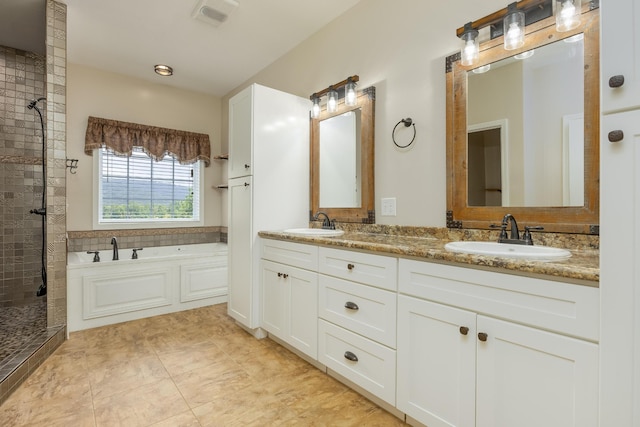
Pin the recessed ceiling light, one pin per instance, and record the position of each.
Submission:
(163, 70)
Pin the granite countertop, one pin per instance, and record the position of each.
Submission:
(582, 267)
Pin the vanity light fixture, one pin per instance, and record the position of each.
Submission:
(163, 70)
(567, 14)
(350, 95)
(345, 89)
(513, 27)
(470, 51)
(315, 109)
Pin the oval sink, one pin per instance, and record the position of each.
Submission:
(314, 232)
(505, 250)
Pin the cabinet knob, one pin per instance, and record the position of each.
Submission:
(464, 330)
(482, 336)
(616, 81)
(285, 275)
(351, 305)
(350, 266)
(279, 274)
(350, 356)
(615, 136)
(246, 166)
(246, 184)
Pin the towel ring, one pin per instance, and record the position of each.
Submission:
(407, 122)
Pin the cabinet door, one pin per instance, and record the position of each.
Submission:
(239, 239)
(302, 307)
(620, 270)
(290, 305)
(436, 363)
(240, 134)
(620, 54)
(274, 298)
(531, 378)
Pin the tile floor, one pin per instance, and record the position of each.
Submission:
(193, 368)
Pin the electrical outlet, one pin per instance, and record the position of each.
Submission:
(388, 206)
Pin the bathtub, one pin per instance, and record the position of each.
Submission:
(161, 280)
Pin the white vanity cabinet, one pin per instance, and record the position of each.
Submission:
(478, 348)
(289, 283)
(357, 318)
(620, 214)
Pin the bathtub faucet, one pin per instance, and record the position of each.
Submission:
(114, 242)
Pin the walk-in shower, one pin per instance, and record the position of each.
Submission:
(23, 275)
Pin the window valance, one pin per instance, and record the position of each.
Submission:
(121, 137)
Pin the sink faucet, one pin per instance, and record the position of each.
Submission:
(327, 224)
(114, 242)
(514, 235)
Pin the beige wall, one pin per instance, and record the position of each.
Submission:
(92, 92)
(400, 47)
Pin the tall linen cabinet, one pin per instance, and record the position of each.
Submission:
(268, 185)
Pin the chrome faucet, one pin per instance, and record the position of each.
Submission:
(327, 223)
(114, 242)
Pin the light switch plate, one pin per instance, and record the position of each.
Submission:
(388, 206)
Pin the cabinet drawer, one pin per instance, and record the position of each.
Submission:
(374, 270)
(295, 254)
(373, 367)
(362, 309)
(563, 307)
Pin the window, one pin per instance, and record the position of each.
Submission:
(138, 189)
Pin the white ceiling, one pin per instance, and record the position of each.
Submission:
(131, 36)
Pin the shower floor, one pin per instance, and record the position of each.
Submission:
(22, 330)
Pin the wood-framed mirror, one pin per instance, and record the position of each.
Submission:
(480, 189)
(342, 161)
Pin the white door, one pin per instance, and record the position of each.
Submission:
(240, 134)
(530, 378)
(620, 54)
(436, 363)
(240, 245)
(275, 290)
(620, 270)
(303, 310)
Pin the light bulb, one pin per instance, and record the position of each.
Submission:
(332, 101)
(315, 110)
(513, 28)
(567, 14)
(470, 51)
(350, 94)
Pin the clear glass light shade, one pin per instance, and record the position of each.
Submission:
(470, 49)
(315, 109)
(332, 101)
(567, 14)
(350, 95)
(514, 30)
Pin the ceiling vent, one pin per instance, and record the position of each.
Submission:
(214, 12)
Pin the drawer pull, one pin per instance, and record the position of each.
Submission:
(351, 305)
(616, 81)
(482, 336)
(464, 330)
(350, 356)
(285, 275)
(615, 136)
(350, 266)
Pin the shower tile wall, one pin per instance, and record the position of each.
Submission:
(22, 78)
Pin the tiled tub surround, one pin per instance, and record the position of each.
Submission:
(160, 280)
(428, 243)
(79, 241)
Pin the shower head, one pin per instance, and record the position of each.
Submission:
(33, 103)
